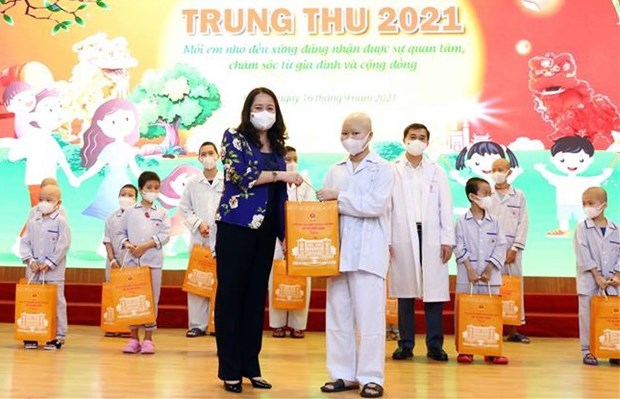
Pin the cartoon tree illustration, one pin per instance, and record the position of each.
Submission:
(171, 100)
(61, 13)
(389, 150)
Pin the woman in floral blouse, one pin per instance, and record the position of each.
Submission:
(250, 217)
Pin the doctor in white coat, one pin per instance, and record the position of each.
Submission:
(355, 314)
(422, 241)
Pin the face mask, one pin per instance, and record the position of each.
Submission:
(499, 177)
(208, 162)
(415, 147)
(46, 207)
(263, 120)
(150, 196)
(483, 202)
(354, 146)
(291, 167)
(593, 211)
(126, 202)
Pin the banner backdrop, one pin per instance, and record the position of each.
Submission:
(110, 88)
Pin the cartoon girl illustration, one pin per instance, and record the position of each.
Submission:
(479, 157)
(109, 141)
(170, 192)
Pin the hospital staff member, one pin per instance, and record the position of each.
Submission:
(421, 243)
(362, 185)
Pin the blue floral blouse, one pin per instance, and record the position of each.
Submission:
(242, 203)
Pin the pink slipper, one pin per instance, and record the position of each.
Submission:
(133, 346)
(148, 348)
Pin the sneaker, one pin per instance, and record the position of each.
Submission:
(31, 345)
(53, 345)
(133, 346)
(148, 347)
(615, 362)
(465, 359)
(496, 359)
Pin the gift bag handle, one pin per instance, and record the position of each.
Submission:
(471, 288)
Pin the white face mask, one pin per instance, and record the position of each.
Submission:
(208, 162)
(355, 146)
(415, 147)
(484, 202)
(46, 207)
(593, 211)
(263, 120)
(126, 202)
(291, 167)
(150, 196)
(499, 177)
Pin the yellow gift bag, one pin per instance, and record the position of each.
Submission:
(312, 238)
(201, 275)
(479, 324)
(510, 291)
(605, 327)
(288, 292)
(109, 321)
(35, 312)
(133, 295)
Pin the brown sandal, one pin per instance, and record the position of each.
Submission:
(279, 332)
(297, 334)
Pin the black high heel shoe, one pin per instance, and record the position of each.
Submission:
(235, 388)
(260, 383)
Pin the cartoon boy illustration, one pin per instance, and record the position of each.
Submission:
(572, 155)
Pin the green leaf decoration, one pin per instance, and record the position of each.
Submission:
(102, 4)
(8, 19)
(55, 29)
(79, 21)
(82, 6)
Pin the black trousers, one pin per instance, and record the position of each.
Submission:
(433, 314)
(244, 259)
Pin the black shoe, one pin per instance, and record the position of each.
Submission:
(260, 383)
(235, 388)
(439, 355)
(402, 353)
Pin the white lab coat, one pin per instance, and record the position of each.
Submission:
(409, 279)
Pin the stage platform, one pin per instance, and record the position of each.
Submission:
(91, 366)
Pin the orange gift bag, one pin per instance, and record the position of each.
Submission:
(605, 326)
(391, 311)
(201, 275)
(109, 321)
(133, 295)
(479, 324)
(510, 291)
(312, 238)
(35, 312)
(288, 292)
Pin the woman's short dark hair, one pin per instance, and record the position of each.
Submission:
(276, 134)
